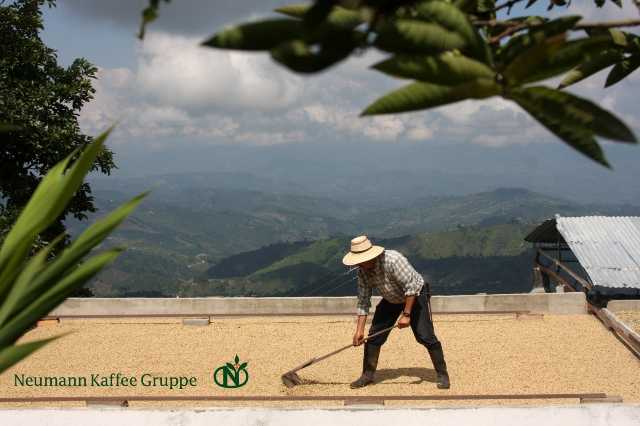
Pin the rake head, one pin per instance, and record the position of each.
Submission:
(291, 379)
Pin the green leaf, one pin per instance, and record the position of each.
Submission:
(618, 37)
(263, 35)
(318, 12)
(517, 45)
(149, 14)
(339, 16)
(230, 366)
(593, 64)
(47, 203)
(243, 366)
(300, 57)
(486, 6)
(446, 69)
(469, 6)
(578, 138)
(551, 58)
(20, 287)
(237, 359)
(413, 36)
(623, 69)
(453, 19)
(13, 354)
(90, 238)
(575, 120)
(294, 10)
(418, 96)
(53, 296)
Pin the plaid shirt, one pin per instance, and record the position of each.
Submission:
(393, 276)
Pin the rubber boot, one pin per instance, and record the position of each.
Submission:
(437, 357)
(369, 365)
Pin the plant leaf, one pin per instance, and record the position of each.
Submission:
(66, 260)
(592, 65)
(413, 36)
(339, 16)
(149, 14)
(575, 120)
(263, 35)
(623, 69)
(552, 57)
(298, 55)
(20, 287)
(453, 19)
(53, 296)
(417, 96)
(445, 69)
(13, 354)
(517, 45)
(45, 205)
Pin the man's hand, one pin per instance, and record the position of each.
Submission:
(358, 337)
(404, 322)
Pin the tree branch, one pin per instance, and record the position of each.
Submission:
(514, 27)
(509, 4)
(610, 24)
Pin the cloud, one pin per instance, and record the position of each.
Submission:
(192, 17)
(176, 70)
(177, 90)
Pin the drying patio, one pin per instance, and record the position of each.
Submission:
(487, 354)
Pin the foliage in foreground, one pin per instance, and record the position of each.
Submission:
(452, 50)
(30, 287)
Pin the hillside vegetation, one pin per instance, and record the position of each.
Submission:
(227, 241)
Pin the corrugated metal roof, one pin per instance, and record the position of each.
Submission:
(608, 248)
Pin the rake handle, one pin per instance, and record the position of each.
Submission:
(320, 358)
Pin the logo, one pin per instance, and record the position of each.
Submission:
(231, 375)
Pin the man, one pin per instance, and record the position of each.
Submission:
(403, 293)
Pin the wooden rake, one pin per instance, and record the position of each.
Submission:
(291, 378)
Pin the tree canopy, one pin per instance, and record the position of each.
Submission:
(453, 50)
(39, 105)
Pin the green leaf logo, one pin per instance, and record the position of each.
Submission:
(231, 375)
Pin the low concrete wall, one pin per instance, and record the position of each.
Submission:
(624, 305)
(592, 415)
(564, 303)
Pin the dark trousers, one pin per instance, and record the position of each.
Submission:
(387, 313)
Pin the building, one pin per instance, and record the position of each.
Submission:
(599, 255)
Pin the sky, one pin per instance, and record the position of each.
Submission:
(183, 108)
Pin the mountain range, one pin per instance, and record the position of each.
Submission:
(210, 235)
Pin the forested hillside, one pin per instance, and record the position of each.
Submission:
(196, 240)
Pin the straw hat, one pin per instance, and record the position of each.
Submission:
(361, 251)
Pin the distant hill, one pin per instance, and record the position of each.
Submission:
(500, 206)
(183, 236)
(247, 263)
(468, 260)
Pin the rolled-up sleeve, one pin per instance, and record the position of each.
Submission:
(364, 296)
(411, 280)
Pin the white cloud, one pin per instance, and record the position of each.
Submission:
(176, 70)
(178, 90)
(419, 133)
(270, 138)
